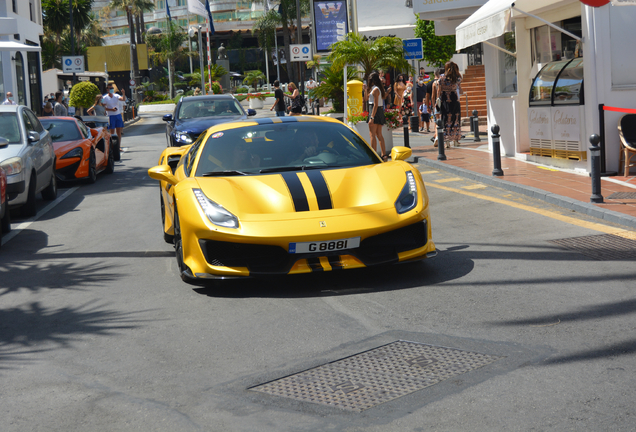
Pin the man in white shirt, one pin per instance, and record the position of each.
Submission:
(115, 120)
(311, 84)
(9, 99)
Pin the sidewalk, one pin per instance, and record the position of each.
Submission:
(564, 188)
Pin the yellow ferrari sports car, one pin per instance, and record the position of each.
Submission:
(289, 195)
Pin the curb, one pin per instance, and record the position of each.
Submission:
(133, 121)
(561, 201)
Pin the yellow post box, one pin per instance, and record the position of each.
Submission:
(355, 103)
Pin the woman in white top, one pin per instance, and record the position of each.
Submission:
(376, 114)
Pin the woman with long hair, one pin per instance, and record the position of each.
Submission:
(450, 106)
(296, 107)
(376, 114)
(399, 87)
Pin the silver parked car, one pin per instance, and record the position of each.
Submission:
(28, 159)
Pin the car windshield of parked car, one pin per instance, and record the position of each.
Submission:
(9, 127)
(61, 130)
(278, 147)
(209, 108)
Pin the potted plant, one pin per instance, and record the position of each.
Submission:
(256, 100)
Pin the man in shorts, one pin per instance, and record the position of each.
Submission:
(115, 120)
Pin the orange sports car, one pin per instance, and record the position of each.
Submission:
(81, 152)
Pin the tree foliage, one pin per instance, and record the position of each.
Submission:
(83, 94)
(436, 50)
(253, 77)
(379, 54)
(332, 85)
(168, 46)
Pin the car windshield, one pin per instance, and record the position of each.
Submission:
(209, 108)
(61, 130)
(9, 127)
(280, 147)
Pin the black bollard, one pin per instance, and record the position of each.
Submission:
(496, 152)
(595, 151)
(405, 124)
(472, 125)
(476, 126)
(440, 140)
(317, 106)
(415, 124)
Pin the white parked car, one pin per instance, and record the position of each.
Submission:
(28, 160)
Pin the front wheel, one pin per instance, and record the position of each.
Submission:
(110, 168)
(5, 222)
(92, 168)
(116, 147)
(50, 192)
(167, 237)
(29, 208)
(178, 248)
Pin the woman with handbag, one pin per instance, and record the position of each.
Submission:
(296, 104)
(406, 110)
(376, 114)
(436, 102)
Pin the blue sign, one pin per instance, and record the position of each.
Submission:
(330, 19)
(68, 62)
(413, 49)
(305, 50)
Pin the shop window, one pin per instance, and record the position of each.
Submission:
(19, 74)
(507, 63)
(161, 4)
(15, 6)
(182, 2)
(549, 44)
(622, 29)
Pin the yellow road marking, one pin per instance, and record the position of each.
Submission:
(475, 186)
(547, 169)
(449, 180)
(429, 172)
(567, 219)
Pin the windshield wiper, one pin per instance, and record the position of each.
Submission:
(292, 168)
(223, 173)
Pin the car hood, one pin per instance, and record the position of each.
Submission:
(12, 150)
(198, 125)
(285, 196)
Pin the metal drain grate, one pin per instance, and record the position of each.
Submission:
(603, 247)
(373, 377)
(623, 195)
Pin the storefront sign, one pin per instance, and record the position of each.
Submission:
(540, 123)
(565, 123)
(331, 21)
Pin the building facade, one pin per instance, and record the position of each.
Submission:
(20, 61)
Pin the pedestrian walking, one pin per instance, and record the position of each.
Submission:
(376, 114)
(115, 120)
(279, 105)
(399, 87)
(296, 100)
(407, 102)
(420, 96)
(60, 109)
(449, 87)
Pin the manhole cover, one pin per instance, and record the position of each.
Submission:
(619, 246)
(623, 195)
(373, 377)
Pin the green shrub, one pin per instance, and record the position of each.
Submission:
(83, 94)
(242, 90)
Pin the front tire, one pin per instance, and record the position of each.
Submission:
(178, 247)
(50, 192)
(110, 168)
(92, 168)
(29, 208)
(114, 142)
(5, 222)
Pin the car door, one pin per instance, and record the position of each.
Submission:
(36, 154)
(45, 143)
(99, 150)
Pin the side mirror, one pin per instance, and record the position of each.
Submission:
(400, 153)
(3, 142)
(94, 133)
(167, 118)
(162, 173)
(251, 112)
(34, 137)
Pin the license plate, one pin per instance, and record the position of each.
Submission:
(324, 246)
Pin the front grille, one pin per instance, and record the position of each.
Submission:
(68, 173)
(267, 259)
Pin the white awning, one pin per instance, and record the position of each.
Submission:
(15, 46)
(493, 20)
(489, 21)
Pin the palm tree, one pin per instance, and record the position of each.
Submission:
(253, 77)
(129, 6)
(332, 85)
(168, 46)
(139, 7)
(381, 53)
(265, 29)
(81, 15)
(56, 17)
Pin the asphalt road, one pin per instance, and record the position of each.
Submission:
(98, 333)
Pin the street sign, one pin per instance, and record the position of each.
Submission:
(300, 52)
(73, 64)
(83, 78)
(132, 83)
(413, 49)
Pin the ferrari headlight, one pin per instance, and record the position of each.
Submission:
(408, 197)
(77, 152)
(215, 212)
(183, 138)
(12, 166)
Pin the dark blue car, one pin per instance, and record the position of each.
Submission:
(195, 114)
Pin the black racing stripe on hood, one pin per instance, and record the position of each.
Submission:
(289, 119)
(262, 121)
(299, 197)
(321, 189)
